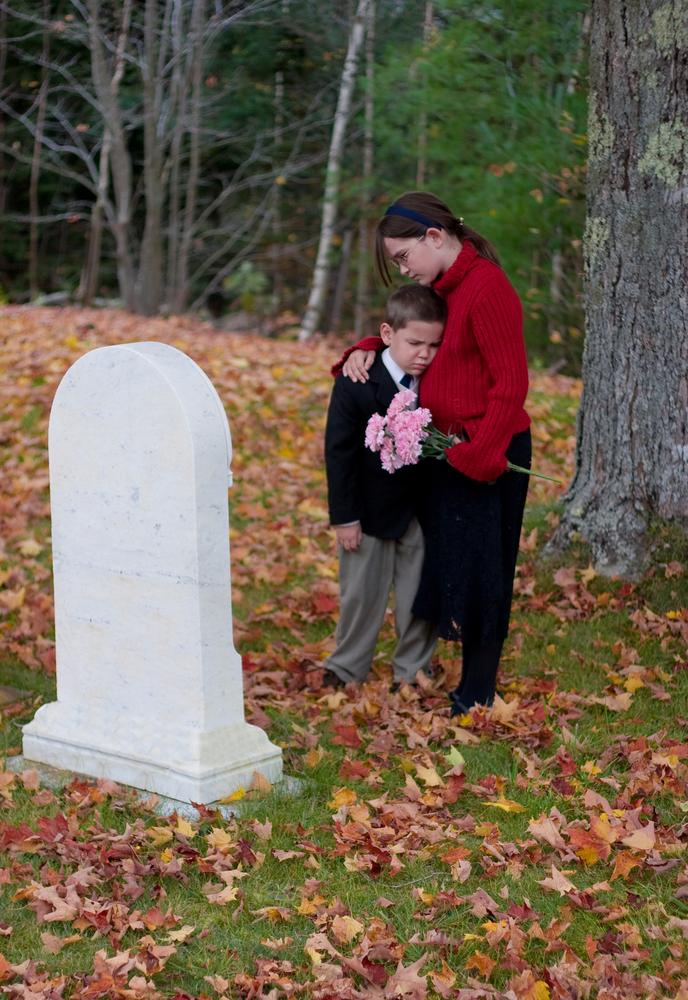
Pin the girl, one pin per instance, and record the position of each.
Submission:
(475, 388)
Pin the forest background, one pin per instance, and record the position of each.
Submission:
(199, 186)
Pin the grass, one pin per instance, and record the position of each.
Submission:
(395, 858)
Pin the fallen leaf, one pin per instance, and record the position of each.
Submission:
(219, 839)
(259, 783)
(506, 805)
(218, 983)
(456, 760)
(182, 934)
(429, 776)
(159, 835)
(345, 929)
(235, 796)
(184, 828)
(342, 797)
(641, 840)
(482, 963)
(545, 829)
(557, 882)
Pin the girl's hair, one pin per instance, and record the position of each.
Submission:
(424, 210)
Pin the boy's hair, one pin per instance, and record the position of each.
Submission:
(415, 302)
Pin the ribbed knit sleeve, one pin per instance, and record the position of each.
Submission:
(367, 344)
(496, 322)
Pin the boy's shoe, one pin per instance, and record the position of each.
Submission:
(330, 679)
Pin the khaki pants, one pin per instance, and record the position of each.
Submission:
(366, 578)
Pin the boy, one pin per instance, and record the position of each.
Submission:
(380, 542)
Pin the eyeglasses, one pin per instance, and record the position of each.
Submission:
(401, 259)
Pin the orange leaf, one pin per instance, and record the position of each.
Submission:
(483, 963)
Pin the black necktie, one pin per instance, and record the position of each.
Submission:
(406, 381)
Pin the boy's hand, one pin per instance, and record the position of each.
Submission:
(349, 536)
(357, 364)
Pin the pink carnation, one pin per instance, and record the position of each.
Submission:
(399, 435)
(403, 399)
(375, 432)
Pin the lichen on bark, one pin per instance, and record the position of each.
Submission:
(600, 131)
(595, 241)
(666, 153)
(670, 27)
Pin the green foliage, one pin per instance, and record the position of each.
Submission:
(497, 93)
(248, 285)
(505, 147)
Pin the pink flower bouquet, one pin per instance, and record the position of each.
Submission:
(405, 435)
(399, 435)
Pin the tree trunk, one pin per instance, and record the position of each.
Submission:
(331, 196)
(583, 43)
(277, 158)
(149, 283)
(36, 155)
(632, 449)
(178, 110)
(362, 277)
(423, 123)
(555, 287)
(189, 216)
(3, 174)
(341, 282)
(89, 278)
(275, 248)
(91, 271)
(106, 91)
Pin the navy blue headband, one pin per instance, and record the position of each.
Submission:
(408, 213)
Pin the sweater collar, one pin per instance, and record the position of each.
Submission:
(454, 275)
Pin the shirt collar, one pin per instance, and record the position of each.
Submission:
(396, 372)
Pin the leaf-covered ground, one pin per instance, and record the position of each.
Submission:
(538, 850)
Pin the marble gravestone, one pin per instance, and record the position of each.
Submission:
(149, 684)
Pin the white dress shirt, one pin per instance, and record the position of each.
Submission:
(398, 373)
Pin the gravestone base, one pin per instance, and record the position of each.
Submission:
(162, 805)
(182, 763)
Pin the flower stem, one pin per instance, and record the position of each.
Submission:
(529, 472)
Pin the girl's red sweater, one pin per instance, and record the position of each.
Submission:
(478, 380)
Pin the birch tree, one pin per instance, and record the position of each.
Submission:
(332, 176)
(363, 271)
(91, 271)
(632, 447)
(42, 101)
(106, 74)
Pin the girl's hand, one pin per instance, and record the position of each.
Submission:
(357, 364)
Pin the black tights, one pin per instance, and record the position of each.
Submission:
(478, 673)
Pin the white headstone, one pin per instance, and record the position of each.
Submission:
(149, 685)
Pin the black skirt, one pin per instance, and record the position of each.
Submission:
(472, 532)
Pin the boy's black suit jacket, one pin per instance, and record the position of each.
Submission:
(358, 487)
